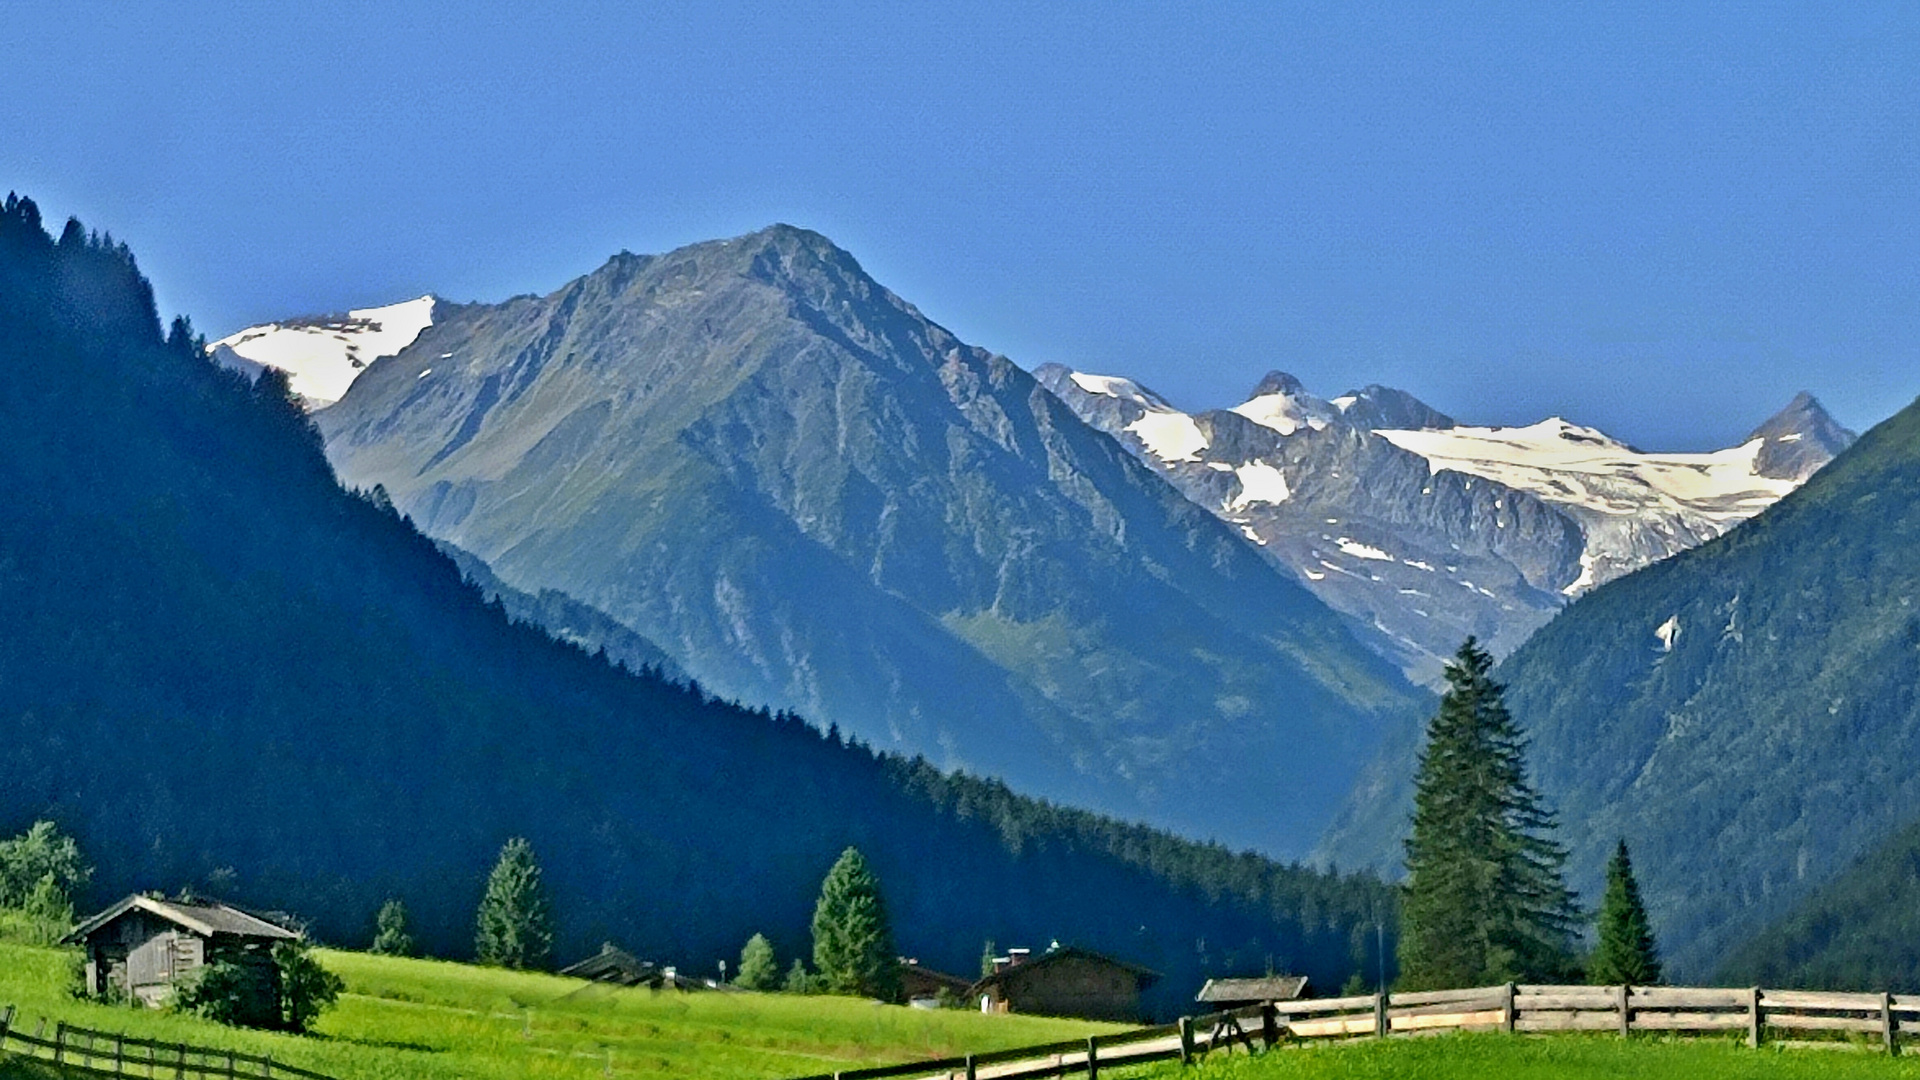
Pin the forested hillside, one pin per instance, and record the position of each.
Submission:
(1860, 931)
(1746, 714)
(220, 670)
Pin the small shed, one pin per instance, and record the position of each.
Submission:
(922, 985)
(1065, 982)
(1224, 994)
(141, 946)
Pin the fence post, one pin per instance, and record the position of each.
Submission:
(1381, 1024)
(1754, 1023)
(6, 1025)
(230, 1072)
(1093, 1062)
(1269, 1025)
(973, 1072)
(119, 1058)
(59, 1042)
(1626, 1013)
(1186, 1040)
(180, 1063)
(1888, 1029)
(1507, 1009)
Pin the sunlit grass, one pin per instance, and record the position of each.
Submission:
(430, 1019)
(1543, 1057)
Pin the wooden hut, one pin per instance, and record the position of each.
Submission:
(921, 985)
(1064, 982)
(140, 947)
(1224, 994)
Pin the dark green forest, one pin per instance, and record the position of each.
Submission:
(219, 670)
(1860, 931)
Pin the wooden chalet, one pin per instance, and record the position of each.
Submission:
(618, 967)
(140, 947)
(1064, 982)
(922, 985)
(1224, 994)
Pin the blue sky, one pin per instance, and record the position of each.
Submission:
(1659, 219)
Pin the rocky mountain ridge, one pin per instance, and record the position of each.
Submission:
(1423, 531)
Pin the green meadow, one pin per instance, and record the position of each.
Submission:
(405, 1019)
(1546, 1057)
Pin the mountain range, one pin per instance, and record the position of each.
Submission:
(1423, 531)
(817, 500)
(221, 670)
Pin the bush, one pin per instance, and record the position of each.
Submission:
(239, 993)
(306, 988)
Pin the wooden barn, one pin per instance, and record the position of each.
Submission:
(922, 986)
(1224, 994)
(1064, 982)
(140, 947)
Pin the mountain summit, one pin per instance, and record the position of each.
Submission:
(814, 498)
(1798, 440)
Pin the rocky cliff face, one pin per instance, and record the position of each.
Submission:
(815, 499)
(1422, 531)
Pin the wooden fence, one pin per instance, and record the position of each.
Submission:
(1761, 1015)
(111, 1054)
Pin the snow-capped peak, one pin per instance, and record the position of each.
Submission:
(1281, 403)
(322, 355)
(1168, 433)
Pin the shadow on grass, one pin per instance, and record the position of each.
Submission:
(381, 1044)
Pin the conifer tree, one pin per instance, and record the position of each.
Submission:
(852, 939)
(391, 935)
(798, 981)
(1625, 952)
(1485, 899)
(515, 923)
(758, 968)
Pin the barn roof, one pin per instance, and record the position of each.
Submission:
(1270, 988)
(207, 920)
(1145, 976)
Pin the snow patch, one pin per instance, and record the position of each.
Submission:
(1259, 483)
(1362, 551)
(1668, 632)
(322, 357)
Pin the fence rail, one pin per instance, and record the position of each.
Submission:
(1760, 1014)
(110, 1053)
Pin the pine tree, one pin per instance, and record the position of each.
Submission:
(758, 968)
(1485, 899)
(798, 981)
(391, 935)
(1625, 952)
(852, 939)
(515, 923)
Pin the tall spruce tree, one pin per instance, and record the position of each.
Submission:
(1485, 898)
(852, 939)
(515, 922)
(1625, 952)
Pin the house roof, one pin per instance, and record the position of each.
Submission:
(207, 920)
(957, 982)
(1270, 988)
(611, 964)
(1145, 977)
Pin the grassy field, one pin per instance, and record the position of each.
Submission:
(405, 1019)
(1548, 1057)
